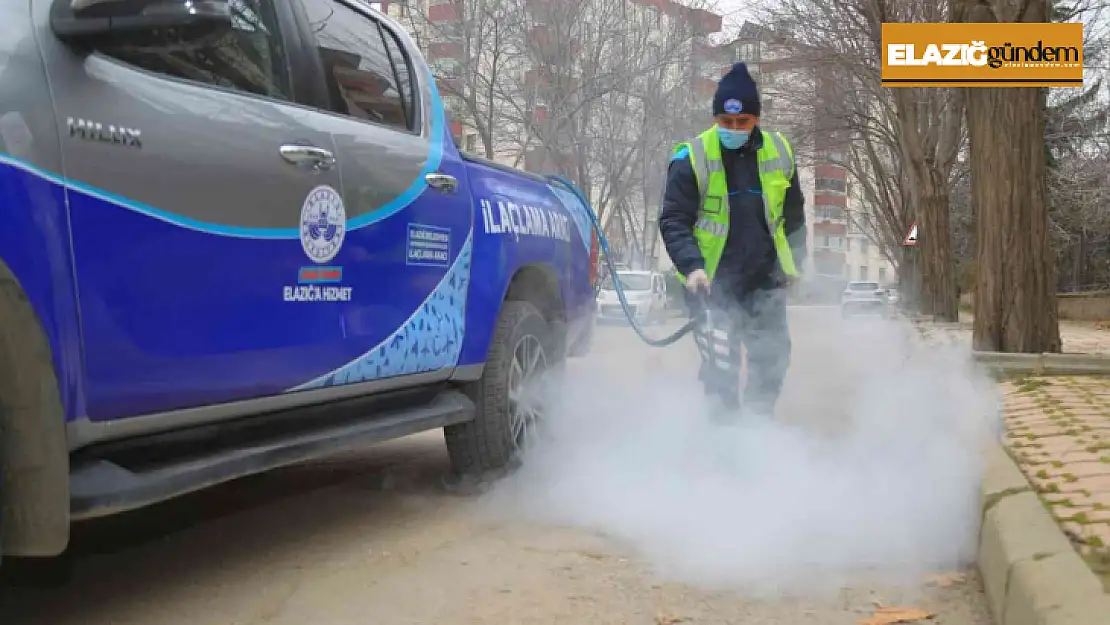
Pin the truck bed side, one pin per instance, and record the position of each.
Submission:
(524, 225)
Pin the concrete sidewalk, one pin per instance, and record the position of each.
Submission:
(1044, 547)
(1058, 430)
(1079, 337)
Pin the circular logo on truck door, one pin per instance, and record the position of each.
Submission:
(323, 224)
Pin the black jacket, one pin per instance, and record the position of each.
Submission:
(749, 261)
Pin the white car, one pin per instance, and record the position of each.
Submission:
(645, 291)
(863, 298)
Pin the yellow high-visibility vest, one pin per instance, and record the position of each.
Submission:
(776, 168)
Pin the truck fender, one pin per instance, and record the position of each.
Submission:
(34, 457)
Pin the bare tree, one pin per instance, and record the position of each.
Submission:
(474, 48)
(1015, 295)
(1076, 144)
(907, 137)
(596, 68)
(596, 90)
(1077, 154)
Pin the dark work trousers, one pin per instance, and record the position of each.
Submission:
(755, 322)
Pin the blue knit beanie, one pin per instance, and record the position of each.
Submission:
(736, 93)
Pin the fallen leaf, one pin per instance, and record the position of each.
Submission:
(890, 616)
(670, 619)
(944, 580)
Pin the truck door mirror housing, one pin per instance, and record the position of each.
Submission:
(85, 21)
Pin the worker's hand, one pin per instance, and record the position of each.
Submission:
(697, 281)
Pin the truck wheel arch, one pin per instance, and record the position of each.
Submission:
(34, 457)
(539, 284)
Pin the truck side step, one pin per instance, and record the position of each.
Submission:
(101, 487)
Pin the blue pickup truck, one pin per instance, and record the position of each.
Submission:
(236, 235)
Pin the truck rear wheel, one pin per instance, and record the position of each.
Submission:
(507, 396)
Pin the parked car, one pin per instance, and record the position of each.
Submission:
(645, 291)
(239, 235)
(863, 298)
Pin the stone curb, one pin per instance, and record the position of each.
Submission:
(1046, 364)
(1031, 573)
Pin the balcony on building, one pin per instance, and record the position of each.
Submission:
(825, 198)
(830, 185)
(829, 263)
(829, 214)
(444, 11)
(446, 50)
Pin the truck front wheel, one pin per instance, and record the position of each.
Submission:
(508, 396)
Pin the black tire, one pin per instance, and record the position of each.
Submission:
(34, 459)
(38, 572)
(485, 447)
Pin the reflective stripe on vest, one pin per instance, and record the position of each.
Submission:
(776, 168)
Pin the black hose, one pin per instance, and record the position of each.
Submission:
(604, 244)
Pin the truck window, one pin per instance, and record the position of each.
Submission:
(360, 76)
(250, 58)
(403, 66)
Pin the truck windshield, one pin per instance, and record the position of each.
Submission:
(629, 282)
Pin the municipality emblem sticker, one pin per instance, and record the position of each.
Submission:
(323, 224)
(733, 106)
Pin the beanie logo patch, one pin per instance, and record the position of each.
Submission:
(733, 106)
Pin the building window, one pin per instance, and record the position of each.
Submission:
(831, 242)
(746, 52)
(863, 246)
(863, 272)
(882, 274)
(471, 143)
(830, 184)
(828, 212)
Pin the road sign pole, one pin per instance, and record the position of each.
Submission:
(909, 259)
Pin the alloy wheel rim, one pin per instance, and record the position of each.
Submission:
(527, 366)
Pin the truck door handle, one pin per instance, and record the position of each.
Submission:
(318, 158)
(443, 183)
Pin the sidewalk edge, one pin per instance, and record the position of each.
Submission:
(1031, 573)
(1044, 364)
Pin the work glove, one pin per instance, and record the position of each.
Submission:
(697, 281)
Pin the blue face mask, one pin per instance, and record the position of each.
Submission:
(733, 139)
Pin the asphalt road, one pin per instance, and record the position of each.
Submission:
(638, 510)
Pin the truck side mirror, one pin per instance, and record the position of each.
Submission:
(77, 21)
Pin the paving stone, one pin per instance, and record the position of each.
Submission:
(1056, 498)
(1066, 513)
(1059, 434)
(1099, 516)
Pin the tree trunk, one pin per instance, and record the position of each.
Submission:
(938, 279)
(1015, 294)
(1015, 277)
(909, 279)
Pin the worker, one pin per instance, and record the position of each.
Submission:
(733, 223)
